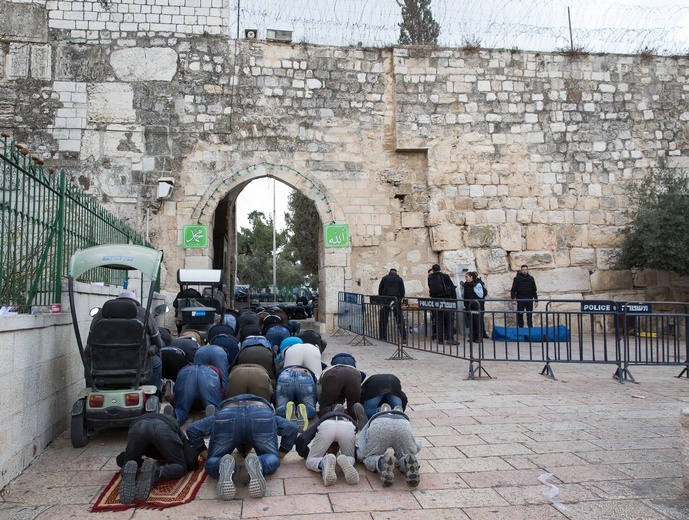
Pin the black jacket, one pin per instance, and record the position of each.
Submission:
(380, 384)
(443, 280)
(524, 287)
(391, 285)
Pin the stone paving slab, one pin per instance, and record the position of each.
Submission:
(607, 451)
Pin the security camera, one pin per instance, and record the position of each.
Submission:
(165, 185)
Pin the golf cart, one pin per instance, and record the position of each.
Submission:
(200, 302)
(116, 355)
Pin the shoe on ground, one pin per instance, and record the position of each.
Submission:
(350, 472)
(385, 407)
(361, 417)
(257, 481)
(128, 484)
(339, 407)
(386, 466)
(169, 410)
(147, 480)
(328, 469)
(302, 417)
(289, 411)
(398, 408)
(226, 487)
(412, 473)
(486, 336)
(210, 410)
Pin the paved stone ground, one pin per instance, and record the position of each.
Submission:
(606, 451)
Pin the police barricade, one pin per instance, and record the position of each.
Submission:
(556, 331)
(350, 315)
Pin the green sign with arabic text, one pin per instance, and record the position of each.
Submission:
(195, 237)
(336, 235)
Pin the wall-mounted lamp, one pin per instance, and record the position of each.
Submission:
(165, 185)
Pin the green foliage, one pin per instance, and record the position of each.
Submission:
(657, 235)
(418, 26)
(305, 227)
(255, 255)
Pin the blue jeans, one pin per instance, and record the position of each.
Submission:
(157, 373)
(216, 356)
(372, 405)
(195, 383)
(295, 385)
(254, 425)
(229, 344)
(276, 334)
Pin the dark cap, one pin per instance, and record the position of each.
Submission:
(436, 267)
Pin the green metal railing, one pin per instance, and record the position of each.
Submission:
(43, 220)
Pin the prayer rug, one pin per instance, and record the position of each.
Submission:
(167, 493)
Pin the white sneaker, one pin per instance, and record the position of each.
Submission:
(328, 469)
(350, 472)
(385, 407)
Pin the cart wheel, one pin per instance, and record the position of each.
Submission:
(78, 430)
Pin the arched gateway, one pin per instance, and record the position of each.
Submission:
(216, 209)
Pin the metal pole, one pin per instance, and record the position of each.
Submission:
(571, 40)
(274, 250)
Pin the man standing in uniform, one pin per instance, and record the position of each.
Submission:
(525, 295)
(440, 286)
(391, 285)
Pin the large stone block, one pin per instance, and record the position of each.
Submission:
(541, 237)
(413, 219)
(144, 64)
(582, 257)
(482, 236)
(611, 280)
(26, 22)
(491, 261)
(604, 236)
(511, 237)
(562, 281)
(534, 259)
(111, 103)
(446, 237)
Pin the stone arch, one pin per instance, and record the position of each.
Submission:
(333, 270)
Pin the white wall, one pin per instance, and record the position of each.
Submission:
(40, 376)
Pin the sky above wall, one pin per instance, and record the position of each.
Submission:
(611, 26)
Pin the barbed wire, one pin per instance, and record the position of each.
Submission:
(606, 26)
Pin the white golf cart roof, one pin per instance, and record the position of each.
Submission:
(199, 276)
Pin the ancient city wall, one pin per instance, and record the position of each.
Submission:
(485, 158)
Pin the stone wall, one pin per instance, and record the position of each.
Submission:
(485, 159)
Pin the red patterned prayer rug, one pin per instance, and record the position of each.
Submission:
(167, 493)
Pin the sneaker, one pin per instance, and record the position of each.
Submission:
(302, 417)
(350, 472)
(128, 484)
(411, 465)
(289, 411)
(398, 408)
(210, 410)
(147, 480)
(339, 407)
(385, 407)
(226, 487)
(169, 410)
(361, 417)
(328, 469)
(386, 465)
(257, 482)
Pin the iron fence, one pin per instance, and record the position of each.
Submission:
(43, 220)
(622, 334)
